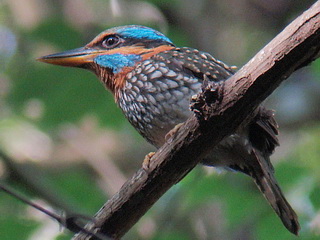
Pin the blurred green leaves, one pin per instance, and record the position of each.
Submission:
(67, 94)
(14, 222)
(58, 33)
(41, 100)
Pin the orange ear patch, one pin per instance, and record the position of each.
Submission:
(150, 52)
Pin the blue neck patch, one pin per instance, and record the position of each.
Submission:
(140, 32)
(117, 61)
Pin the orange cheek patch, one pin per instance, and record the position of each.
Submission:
(149, 53)
(136, 50)
(145, 53)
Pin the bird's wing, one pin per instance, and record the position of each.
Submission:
(198, 64)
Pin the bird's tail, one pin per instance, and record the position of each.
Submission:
(268, 185)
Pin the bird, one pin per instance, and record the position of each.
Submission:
(152, 81)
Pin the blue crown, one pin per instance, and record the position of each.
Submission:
(140, 32)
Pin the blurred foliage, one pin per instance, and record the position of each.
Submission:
(71, 148)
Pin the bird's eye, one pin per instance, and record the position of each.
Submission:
(110, 41)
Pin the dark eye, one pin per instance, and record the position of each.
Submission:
(110, 41)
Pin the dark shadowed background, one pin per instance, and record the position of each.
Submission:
(70, 148)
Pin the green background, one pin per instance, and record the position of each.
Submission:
(70, 148)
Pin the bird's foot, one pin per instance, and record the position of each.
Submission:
(147, 160)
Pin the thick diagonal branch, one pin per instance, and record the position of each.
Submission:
(296, 46)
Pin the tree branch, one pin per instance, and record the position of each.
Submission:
(218, 113)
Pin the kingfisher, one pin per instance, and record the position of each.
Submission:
(152, 81)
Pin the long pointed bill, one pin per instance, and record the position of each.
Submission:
(72, 58)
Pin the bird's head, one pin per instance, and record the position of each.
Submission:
(114, 53)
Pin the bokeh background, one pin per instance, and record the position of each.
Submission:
(65, 145)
